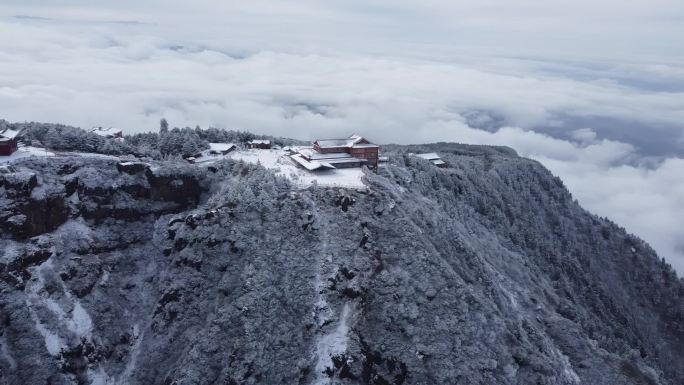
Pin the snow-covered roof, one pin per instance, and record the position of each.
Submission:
(352, 141)
(220, 147)
(438, 162)
(211, 155)
(9, 133)
(429, 156)
(365, 145)
(259, 141)
(310, 165)
(333, 158)
(334, 143)
(106, 132)
(315, 155)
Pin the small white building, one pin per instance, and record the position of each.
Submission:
(433, 158)
(260, 144)
(109, 133)
(216, 151)
(221, 148)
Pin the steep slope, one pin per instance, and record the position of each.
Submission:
(486, 272)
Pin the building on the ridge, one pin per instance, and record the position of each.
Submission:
(215, 152)
(259, 144)
(8, 141)
(354, 151)
(311, 165)
(108, 133)
(433, 158)
(356, 146)
(221, 148)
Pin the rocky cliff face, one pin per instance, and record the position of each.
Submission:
(39, 195)
(485, 272)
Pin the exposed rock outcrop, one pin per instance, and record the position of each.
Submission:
(96, 189)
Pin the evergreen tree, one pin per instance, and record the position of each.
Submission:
(163, 126)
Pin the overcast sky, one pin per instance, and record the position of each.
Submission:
(594, 90)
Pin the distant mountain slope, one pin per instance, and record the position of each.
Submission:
(485, 272)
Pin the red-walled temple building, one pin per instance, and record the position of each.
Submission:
(8, 141)
(355, 151)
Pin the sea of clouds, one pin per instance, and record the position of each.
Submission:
(596, 96)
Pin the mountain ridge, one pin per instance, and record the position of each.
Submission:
(484, 272)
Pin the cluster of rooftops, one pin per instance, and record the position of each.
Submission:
(354, 151)
(323, 154)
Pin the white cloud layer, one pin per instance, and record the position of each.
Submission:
(534, 73)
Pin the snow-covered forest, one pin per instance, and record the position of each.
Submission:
(157, 271)
(166, 142)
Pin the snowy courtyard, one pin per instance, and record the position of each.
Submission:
(278, 160)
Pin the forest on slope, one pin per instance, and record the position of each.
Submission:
(168, 142)
(484, 272)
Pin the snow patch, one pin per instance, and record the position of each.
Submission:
(93, 155)
(568, 372)
(80, 322)
(221, 146)
(98, 376)
(332, 344)
(208, 158)
(75, 229)
(39, 192)
(11, 252)
(53, 343)
(104, 279)
(25, 152)
(511, 296)
(74, 319)
(74, 199)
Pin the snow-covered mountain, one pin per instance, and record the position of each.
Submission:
(484, 272)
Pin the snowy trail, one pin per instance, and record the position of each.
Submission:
(334, 340)
(332, 344)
